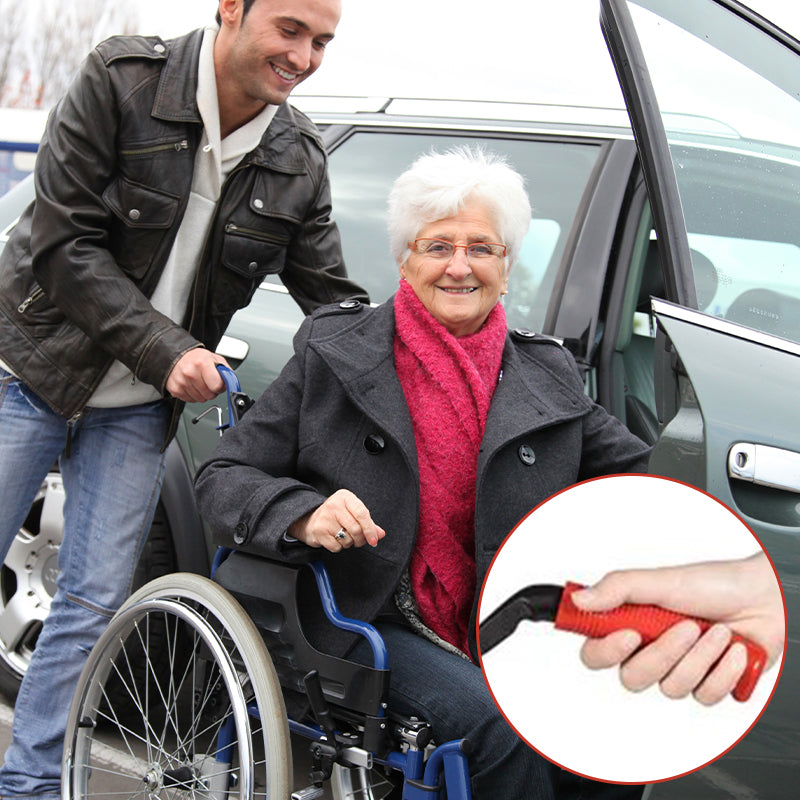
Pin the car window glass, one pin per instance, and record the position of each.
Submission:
(734, 140)
(364, 166)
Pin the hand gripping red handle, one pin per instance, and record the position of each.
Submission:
(650, 621)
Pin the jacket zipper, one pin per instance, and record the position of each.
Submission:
(34, 296)
(232, 227)
(158, 148)
(203, 266)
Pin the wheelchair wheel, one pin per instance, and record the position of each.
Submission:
(195, 734)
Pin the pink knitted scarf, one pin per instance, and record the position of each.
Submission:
(448, 384)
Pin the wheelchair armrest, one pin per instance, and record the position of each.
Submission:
(269, 591)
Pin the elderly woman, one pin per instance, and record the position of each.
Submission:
(403, 443)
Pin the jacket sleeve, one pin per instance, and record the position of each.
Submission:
(315, 273)
(245, 491)
(71, 226)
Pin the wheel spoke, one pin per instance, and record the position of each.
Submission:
(185, 679)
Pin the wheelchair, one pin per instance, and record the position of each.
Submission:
(186, 695)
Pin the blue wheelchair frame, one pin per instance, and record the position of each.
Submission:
(422, 780)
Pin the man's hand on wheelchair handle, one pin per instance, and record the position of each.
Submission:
(341, 522)
(194, 378)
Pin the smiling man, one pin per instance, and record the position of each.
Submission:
(171, 179)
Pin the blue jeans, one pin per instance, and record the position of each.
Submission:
(450, 693)
(112, 481)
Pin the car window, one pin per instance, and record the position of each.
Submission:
(364, 166)
(734, 144)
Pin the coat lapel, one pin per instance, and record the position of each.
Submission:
(361, 357)
(527, 399)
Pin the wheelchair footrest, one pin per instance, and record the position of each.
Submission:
(309, 793)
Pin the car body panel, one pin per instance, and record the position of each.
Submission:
(729, 373)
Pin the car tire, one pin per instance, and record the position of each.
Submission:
(28, 575)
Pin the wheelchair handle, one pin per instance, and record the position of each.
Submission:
(651, 621)
(232, 386)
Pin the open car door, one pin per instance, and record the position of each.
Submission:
(713, 92)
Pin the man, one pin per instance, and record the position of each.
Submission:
(171, 178)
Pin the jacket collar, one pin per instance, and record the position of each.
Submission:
(176, 101)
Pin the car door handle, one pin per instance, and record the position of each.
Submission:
(765, 466)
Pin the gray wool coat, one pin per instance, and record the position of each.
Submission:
(337, 418)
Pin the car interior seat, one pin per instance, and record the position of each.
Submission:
(638, 351)
(768, 311)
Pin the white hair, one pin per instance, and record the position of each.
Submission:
(439, 185)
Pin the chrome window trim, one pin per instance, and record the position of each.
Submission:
(720, 325)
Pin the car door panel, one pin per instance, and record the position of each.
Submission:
(726, 393)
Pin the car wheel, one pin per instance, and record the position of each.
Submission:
(28, 577)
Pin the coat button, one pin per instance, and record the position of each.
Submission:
(524, 333)
(252, 266)
(374, 444)
(134, 214)
(526, 455)
(258, 203)
(349, 304)
(240, 533)
(159, 48)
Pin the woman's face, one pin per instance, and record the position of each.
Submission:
(458, 292)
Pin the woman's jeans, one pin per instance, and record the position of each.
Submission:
(450, 693)
(112, 479)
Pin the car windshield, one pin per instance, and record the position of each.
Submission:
(734, 139)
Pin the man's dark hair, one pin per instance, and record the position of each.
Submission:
(245, 8)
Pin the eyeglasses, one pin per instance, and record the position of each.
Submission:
(444, 250)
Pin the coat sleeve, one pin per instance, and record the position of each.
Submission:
(245, 491)
(608, 446)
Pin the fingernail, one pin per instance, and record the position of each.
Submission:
(630, 640)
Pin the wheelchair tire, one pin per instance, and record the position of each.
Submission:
(219, 669)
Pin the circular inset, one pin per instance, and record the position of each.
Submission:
(585, 719)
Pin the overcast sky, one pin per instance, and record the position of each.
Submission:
(538, 51)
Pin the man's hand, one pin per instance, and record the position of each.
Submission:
(194, 378)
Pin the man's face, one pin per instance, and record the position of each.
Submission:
(277, 45)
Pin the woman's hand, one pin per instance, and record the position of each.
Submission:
(743, 596)
(343, 514)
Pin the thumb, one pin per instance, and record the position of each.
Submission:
(628, 586)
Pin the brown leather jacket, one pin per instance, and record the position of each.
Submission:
(113, 177)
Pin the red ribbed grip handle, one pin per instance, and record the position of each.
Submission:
(650, 621)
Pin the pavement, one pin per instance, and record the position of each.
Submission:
(301, 761)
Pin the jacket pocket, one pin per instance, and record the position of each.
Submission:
(38, 315)
(141, 217)
(248, 255)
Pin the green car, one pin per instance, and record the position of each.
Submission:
(664, 251)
